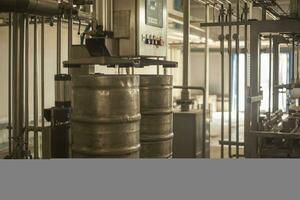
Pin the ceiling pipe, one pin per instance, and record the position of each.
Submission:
(38, 7)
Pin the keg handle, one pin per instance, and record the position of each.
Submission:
(204, 113)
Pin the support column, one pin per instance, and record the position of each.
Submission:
(17, 85)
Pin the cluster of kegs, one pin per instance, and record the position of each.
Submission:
(122, 116)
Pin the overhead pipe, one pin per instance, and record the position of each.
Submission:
(38, 7)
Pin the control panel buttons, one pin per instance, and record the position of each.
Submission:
(150, 39)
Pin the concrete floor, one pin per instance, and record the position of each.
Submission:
(215, 132)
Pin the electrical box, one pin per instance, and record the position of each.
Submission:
(189, 140)
(141, 27)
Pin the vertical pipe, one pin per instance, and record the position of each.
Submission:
(297, 62)
(230, 80)
(222, 79)
(18, 87)
(186, 54)
(237, 76)
(206, 73)
(110, 15)
(58, 51)
(9, 86)
(253, 89)
(157, 67)
(270, 77)
(276, 55)
(27, 87)
(128, 71)
(204, 125)
(246, 72)
(70, 30)
(35, 93)
(293, 59)
(43, 73)
(260, 54)
(263, 14)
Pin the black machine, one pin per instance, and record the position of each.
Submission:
(57, 142)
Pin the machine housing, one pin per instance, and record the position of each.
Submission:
(141, 27)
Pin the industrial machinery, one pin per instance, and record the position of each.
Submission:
(272, 135)
(56, 143)
(95, 115)
(126, 33)
(157, 116)
(107, 124)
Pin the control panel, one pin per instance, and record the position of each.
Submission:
(141, 27)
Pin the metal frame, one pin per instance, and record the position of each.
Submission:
(277, 40)
(252, 109)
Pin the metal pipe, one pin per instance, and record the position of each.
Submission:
(58, 51)
(43, 73)
(237, 75)
(35, 92)
(185, 95)
(157, 68)
(9, 86)
(270, 77)
(293, 59)
(230, 79)
(222, 78)
(165, 69)
(206, 73)
(204, 113)
(297, 62)
(70, 30)
(27, 87)
(260, 54)
(18, 87)
(246, 69)
(276, 57)
(104, 14)
(38, 7)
